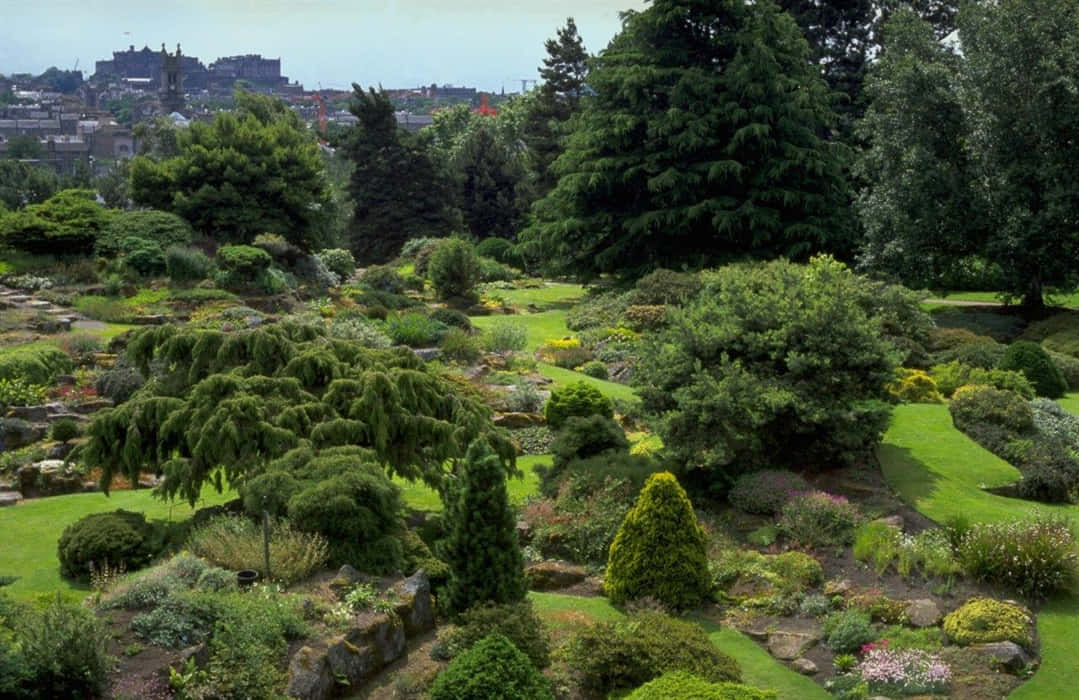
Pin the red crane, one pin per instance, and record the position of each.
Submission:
(484, 108)
(317, 97)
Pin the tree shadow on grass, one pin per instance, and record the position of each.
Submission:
(907, 474)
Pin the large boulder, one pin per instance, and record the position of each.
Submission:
(790, 645)
(553, 575)
(9, 498)
(923, 612)
(513, 421)
(309, 675)
(416, 608)
(1006, 655)
(50, 477)
(17, 432)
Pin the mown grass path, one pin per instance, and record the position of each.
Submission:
(940, 471)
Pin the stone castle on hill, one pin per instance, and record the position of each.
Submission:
(146, 68)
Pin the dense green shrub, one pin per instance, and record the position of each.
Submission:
(645, 317)
(143, 257)
(982, 620)
(525, 398)
(454, 270)
(767, 491)
(383, 278)
(493, 667)
(359, 330)
(566, 353)
(973, 405)
(119, 382)
(1034, 557)
(773, 365)
(187, 265)
(594, 369)
(242, 265)
(662, 286)
(68, 223)
(766, 575)
(577, 399)
(501, 250)
(818, 519)
(506, 335)
(339, 261)
(36, 363)
(580, 437)
(659, 551)
(1034, 362)
(1058, 333)
(415, 330)
(481, 544)
(580, 522)
(679, 685)
(18, 392)
(279, 248)
(65, 429)
(914, 386)
(120, 538)
(845, 632)
(517, 622)
(148, 225)
(599, 310)
(494, 271)
(459, 346)
(453, 318)
(955, 374)
(616, 655)
(1069, 367)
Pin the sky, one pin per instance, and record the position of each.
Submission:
(396, 43)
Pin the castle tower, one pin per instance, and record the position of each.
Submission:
(172, 81)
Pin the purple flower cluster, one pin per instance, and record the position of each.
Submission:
(906, 671)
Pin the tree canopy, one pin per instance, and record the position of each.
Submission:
(252, 171)
(702, 145)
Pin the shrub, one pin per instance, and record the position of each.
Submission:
(815, 605)
(566, 353)
(766, 575)
(602, 310)
(119, 382)
(65, 429)
(312, 272)
(878, 606)
(415, 330)
(943, 339)
(242, 265)
(35, 364)
(278, 247)
(121, 538)
(535, 440)
(492, 663)
(159, 227)
(1032, 360)
(1056, 424)
(524, 398)
(594, 369)
(818, 519)
(381, 278)
(645, 317)
(494, 271)
(955, 374)
(17, 392)
(580, 523)
(454, 270)
(914, 386)
(904, 672)
(666, 287)
(481, 545)
(772, 365)
(659, 551)
(187, 265)
(679, 685)
(517, 622)
(452, 318)
(61, 650)
(975, 405)
(578, 399)
(848, 631)
(501, 250)
(460, 347)
(624, 654)
(1069, 367)
(580, 438)
(505, 335)
(237, 544)
(1034, 557)
(766, 492)
(143, 257)
(359, 330)
(983, 620)
(340, 262)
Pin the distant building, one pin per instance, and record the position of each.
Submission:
(147, 63)
(259, 71)
(172, 81)
(452, 93)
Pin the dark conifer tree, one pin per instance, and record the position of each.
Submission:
(487, 182)
(481, 547)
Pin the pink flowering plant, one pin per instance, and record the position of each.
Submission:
(819, 519)
(766, 492)
(903, 672)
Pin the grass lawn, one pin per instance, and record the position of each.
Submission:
(567, 376)
(937, 469)
(421, 497)
(31, 530)
(552, 294)
(758, 668)
(1070, 300)
(541, 326)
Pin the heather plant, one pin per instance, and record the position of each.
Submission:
(1034, 557)
(818, 519)
(904, 672)
(766, 492)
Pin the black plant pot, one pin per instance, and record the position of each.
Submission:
(246, 577)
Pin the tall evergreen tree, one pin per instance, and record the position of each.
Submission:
(702, 145)
(487, 178)
(398, 193)
(918, 209)
(564, 72)
(481, 547)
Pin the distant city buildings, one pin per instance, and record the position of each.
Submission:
(144, 68)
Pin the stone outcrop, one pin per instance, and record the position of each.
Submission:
(513, 421)
(1006, 655)
(553, 575)
(415, 606)
(923, 612)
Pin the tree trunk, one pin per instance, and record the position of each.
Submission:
(1033, 305)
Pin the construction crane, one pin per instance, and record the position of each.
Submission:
(317, 97)
(525, 82)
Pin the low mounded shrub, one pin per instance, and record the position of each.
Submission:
(898, 672)
(578, 399)
(382, 278)
(506, 335)
(818, 519)
(665, 287)
(847, 631)
(18, 392)
(973, 405)
(685, 686)
(1034, 557)
(187, 265)
(645, 317)
(237, 543)
(340, 262)
(452, 318)
(625, 654)
(914, 386)
(1034, 362)
(581, 521)
(119, 382)
(35, 364)
(766, 575)
(492, 663)
(594, 369)
(460, 347)
(955, 374)
(120, 538)
(515, 621)
(766, 492)
(65, 429)
(982, 620)
(415, 330)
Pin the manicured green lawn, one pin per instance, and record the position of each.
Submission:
(567, 376)
(31, 529)
(758, 668)
(550, 295)
(422, 497)
(937, 469)
(541, 326)
(1070, 300)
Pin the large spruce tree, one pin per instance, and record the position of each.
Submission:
(481, 545)
(703, 144)
(397, 191)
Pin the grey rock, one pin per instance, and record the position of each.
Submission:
(427, 354)
(151, 320)
(790, 645)
(351, 662)
(9, 498)
(554, 575)
(309, 675)
(923, 613)
(59, 451)
(513, 421)
(1007, 655)
(92, 406)
(34, 414)
(17, 432)
(416, 607)
(804, 666)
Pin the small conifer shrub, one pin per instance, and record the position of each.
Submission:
(1034, 362)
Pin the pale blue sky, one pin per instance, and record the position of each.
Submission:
(398, 43)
